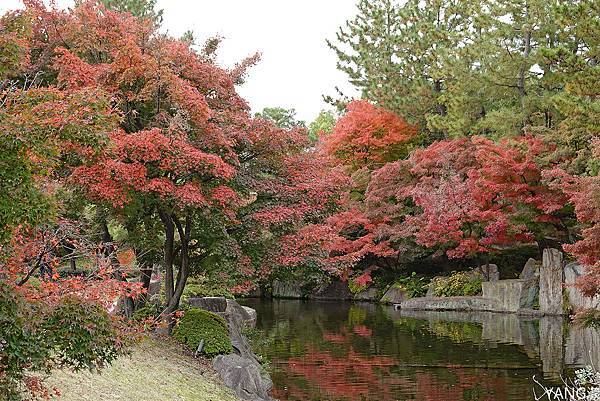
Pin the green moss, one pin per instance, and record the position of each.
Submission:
(197, 325)
(458, 284)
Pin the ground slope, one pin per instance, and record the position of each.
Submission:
(157, 370)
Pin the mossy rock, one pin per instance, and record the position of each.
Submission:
(197, 325)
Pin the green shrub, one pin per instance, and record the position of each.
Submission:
(412, 285)
(458, 284)
(38, 337)
(197, 325)
(202, 286)
(150, 310)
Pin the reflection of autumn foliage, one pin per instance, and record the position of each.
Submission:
(362, 331)
(352, 377)
(336, 375)
(469, 385)
(335, 338)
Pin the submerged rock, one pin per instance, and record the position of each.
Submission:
(244, 376)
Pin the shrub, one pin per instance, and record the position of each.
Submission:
(202, 286)
(197, 325)
(37, 337)
(456, 285)
(412, 285)
(588, 318)
(82, 334)
(151, 310)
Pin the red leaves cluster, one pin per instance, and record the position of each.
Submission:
(40, 251)
(149, 162)
(474, 194)
(461, 196)
(584, 193)
(368, 135)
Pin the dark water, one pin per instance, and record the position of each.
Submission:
(358, 351)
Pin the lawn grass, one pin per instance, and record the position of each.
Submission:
(157, 370)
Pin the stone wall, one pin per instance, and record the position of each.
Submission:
(511, 295)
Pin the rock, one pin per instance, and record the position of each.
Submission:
(576, 299)
(211, 304)
(244, 376)
(336, 290)
(238, 318)
(511, 295)
(450, 304)
(370, 294)
(251, 322)
(394, 295)
(154, 288)
(288, 289)
(487, 272)
(530, 293)
(551, 280)
(531, 269)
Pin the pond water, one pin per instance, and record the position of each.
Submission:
(359, 351)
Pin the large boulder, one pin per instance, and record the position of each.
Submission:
(512, 295)
(211, 304)
(244, 376)
(252, 316)
(336, 290)
(286, 289)
(394, 295)
(488, 272)
(551, 282)
(576, 299)
(531, 269)
(239, 317)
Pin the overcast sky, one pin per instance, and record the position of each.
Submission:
(297, 67)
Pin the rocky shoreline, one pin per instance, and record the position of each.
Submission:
(240, 371)
(543, 288)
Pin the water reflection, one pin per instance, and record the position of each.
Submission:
(343, 351)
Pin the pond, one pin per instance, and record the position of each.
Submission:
(360, 351)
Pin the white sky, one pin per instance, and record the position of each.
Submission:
(297, 67)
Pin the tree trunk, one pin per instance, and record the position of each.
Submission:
(108, 249)
(523, 70)
(168, 253)
(182, 276)
(145, 277)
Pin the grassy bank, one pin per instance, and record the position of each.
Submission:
(157, 370)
